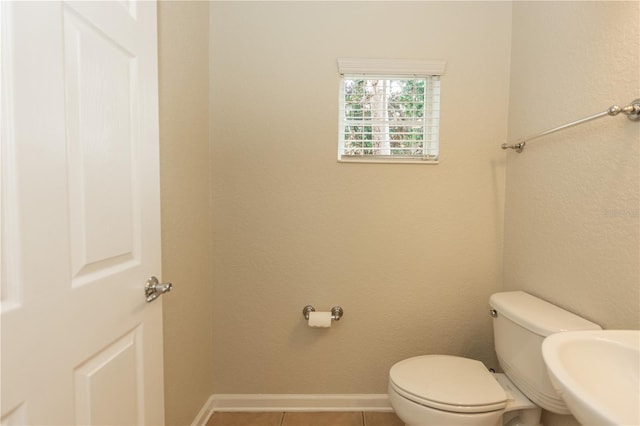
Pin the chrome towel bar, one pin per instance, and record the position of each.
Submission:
(632, 111)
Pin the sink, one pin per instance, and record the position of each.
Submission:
(596, 374)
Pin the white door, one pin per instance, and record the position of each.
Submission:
(80, 214)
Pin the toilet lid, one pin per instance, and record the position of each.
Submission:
(448, 383)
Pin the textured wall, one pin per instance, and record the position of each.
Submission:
(411, 252)
(572, 209)
(186, 250)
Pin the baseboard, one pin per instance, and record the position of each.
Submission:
(205, 412)
(291, 402)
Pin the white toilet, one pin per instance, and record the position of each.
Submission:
(448, 390)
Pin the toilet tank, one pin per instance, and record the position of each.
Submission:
(520, 324)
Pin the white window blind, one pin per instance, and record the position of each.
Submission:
(389, 117)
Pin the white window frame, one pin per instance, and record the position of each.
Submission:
(389, 69)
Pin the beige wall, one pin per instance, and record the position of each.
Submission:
(411, 252)
(186, 250)
(572, 209)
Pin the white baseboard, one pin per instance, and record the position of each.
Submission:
(291, 402)
(205, 412)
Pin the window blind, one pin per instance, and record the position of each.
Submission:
(389, 109)
(384, 117)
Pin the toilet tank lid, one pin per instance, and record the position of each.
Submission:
(537, 315)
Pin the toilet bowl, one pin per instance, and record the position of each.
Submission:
(450, 390)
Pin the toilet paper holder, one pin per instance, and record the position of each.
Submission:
(336, 312)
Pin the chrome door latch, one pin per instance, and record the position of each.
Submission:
(153, 289)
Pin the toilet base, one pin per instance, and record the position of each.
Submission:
(520, 411)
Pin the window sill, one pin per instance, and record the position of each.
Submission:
(388, 161)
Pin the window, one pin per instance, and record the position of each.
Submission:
(389, 110)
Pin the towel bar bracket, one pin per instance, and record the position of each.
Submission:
(632, 111)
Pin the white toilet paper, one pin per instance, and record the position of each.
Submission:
(319, 319)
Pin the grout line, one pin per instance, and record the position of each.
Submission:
(363, 421)
(283, 418)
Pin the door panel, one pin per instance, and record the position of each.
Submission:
(99, 399)
(79, 158)
(100, 78)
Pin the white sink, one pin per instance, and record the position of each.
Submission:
(596, 373)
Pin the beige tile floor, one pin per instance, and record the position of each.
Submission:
(305, 419)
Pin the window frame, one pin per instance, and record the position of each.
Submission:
(386, 69)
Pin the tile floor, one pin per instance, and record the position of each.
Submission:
(305, 419)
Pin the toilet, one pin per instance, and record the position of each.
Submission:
(451, 390)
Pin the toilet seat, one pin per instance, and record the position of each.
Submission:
(448, 383)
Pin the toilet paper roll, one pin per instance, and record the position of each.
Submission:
(319, 319)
